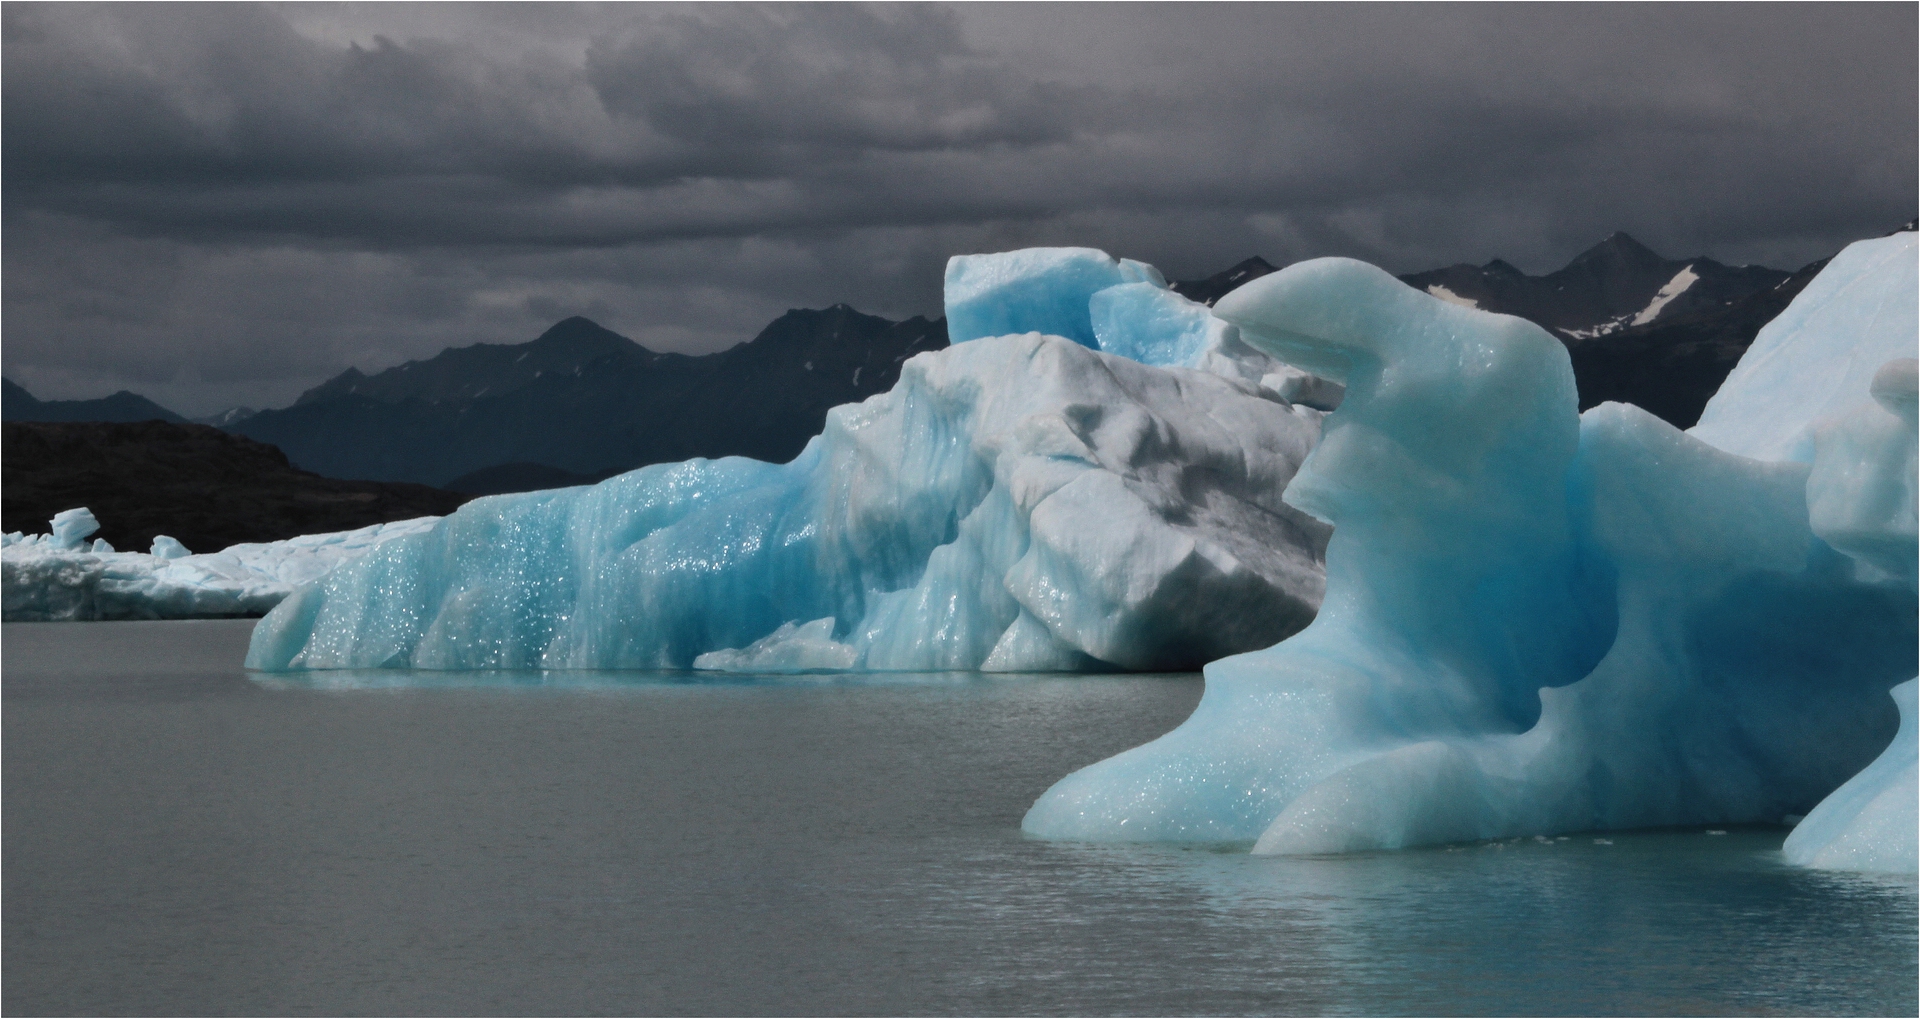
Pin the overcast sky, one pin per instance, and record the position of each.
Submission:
(228, 204)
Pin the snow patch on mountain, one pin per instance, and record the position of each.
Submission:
(1675, 287)
(1452, 298)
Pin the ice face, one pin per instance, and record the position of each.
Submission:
(71, 528)
(791, 648)
(1153, 325)
(1537, 622)
(1860, 493)
(1869, 823)
(165, 547)
(1043, 290)
(1015, 503)
(43, 580)
(1454, 587)
(1818, 357)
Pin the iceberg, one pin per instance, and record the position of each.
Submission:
(1024, 500)
(1818, 357)
(1868, 824)
(1537, 622)
(1861, 501)
(57, 577)
(1015, 503)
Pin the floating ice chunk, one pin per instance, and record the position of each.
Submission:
(1819, 355)
(1534, 622)
(71, 528)
(1870, 822)
(1014, 503)
(1861, 501)
(41, 581)
(791, 648)
(1454, 589)
(1043, 290)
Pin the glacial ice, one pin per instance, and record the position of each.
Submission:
(1043, 290)
(1869, 823)
(1539, 622)
(1015, 503)
(70, 528)
(791, 648)
(1861, 501)
(1817, 358)
(57, 577)
(1018, 502)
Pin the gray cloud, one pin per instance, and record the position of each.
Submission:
(226, 204)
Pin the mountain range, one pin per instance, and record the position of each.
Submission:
(16, 404)
(1640, 328)
(581, 403)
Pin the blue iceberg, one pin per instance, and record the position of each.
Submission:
(1018, 502)
(1539, 622)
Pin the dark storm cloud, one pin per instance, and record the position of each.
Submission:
(225, 204)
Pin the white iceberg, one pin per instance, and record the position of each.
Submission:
(56, 577)
(1537, 622)
(1818, 357)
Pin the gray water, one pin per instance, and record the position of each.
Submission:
(180, 838)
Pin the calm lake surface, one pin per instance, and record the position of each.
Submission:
(180, 838)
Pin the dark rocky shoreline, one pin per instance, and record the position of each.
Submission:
(205, 487)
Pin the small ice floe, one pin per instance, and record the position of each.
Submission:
(1603, 842)
(1715, 831)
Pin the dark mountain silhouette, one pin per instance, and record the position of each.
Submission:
(16, 404)
(203, 486)
(587, 402)
(1615, 285)
(227, 418)
(520, 477)
(1216, 286)
(1671, 367)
